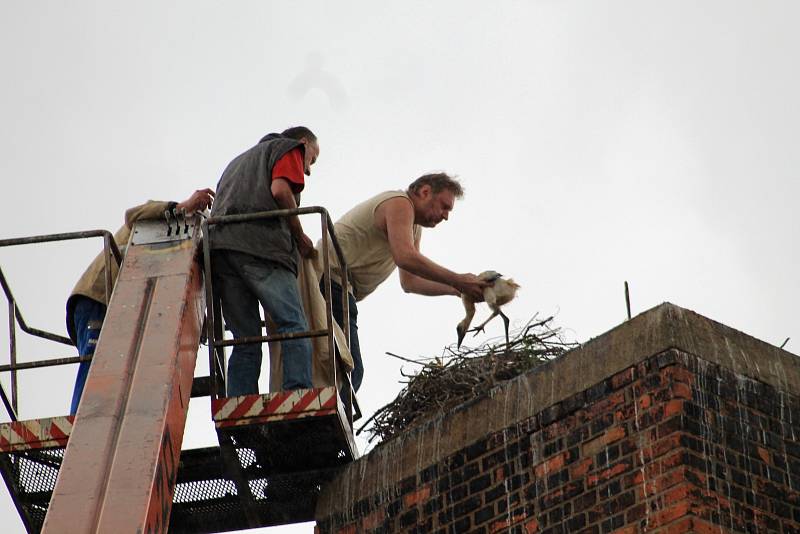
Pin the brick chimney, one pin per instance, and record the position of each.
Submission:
(670, 422)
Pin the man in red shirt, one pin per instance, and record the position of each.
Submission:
(256, 262)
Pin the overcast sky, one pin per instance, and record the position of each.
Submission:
(598, 142)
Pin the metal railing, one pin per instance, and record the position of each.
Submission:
(214, 326)
(15, 316)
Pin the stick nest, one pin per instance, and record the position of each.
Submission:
(460, 375)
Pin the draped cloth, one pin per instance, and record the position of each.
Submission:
(308, 276)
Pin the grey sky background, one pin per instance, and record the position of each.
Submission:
(598, 142)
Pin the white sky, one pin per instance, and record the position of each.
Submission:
(597, 141)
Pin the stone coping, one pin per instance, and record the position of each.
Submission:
(663, 327)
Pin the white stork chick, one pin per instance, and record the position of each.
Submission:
(501, 292)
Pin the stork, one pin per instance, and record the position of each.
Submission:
(501, 292)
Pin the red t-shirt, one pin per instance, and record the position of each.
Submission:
(290, 168)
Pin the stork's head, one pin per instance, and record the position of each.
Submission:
(489, 276)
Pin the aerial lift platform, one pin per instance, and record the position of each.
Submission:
(117, 466)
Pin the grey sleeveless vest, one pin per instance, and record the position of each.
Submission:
(245, 188)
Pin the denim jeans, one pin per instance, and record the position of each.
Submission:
(242, 281)
(87, 319)
(355, 349)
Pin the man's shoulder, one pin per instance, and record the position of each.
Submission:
(389, 201)
(280, 144)
(381, 198)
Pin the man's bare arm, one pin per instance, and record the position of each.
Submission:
(198, 201)
(412, 283)
(154, 209)
(284, 198)
(396, 215)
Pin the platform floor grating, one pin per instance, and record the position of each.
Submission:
(206, 496)
(306, 444)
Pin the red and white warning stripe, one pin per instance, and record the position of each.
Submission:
(283, 405)
(35, 433)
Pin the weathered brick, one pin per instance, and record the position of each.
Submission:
(374, 519)
(471, 470)
(458, 493)
(457, 460)
(623, 378)
(479, 484)
(500, 525)
(573, 403)
(601, 422)
(681, 526)
(562, 494)
(551, 414)
(467, 506)
(553, 464)
(611, 435)
(679, 373)
(393, 508)
(607, 474)
(476, 449)
(493, 459)
(553, 447)
(669, 432)
(461, 525)
(580, 469)
(432, 506)
(577, 436)
(681, 390)
(407, 485)
(668, 515)
(598, 391)
(412, 499)
(517, 481)
(409, 518)
(585, 501)
(612, 523)
(429, 473)
(484, 514)
(610, 490)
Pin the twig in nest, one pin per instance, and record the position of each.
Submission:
(404, 359)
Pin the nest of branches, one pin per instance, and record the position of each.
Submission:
(460, 375)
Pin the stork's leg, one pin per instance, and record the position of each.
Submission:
(505, 322)
(481, 326)
(461, 329)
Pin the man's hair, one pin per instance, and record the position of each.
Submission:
(298, 132)
(438, 181)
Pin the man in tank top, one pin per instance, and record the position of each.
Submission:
(384, 232)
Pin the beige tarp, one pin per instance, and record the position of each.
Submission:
(314, 304)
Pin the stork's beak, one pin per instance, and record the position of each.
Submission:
(461, 333)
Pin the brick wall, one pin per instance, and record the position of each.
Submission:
(672, 443)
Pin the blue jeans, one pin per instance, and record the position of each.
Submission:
(355, 348)
(242, 281)
(87, 318)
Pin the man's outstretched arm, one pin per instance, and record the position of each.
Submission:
(397, 216)
(154, 209)
(412, 283)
